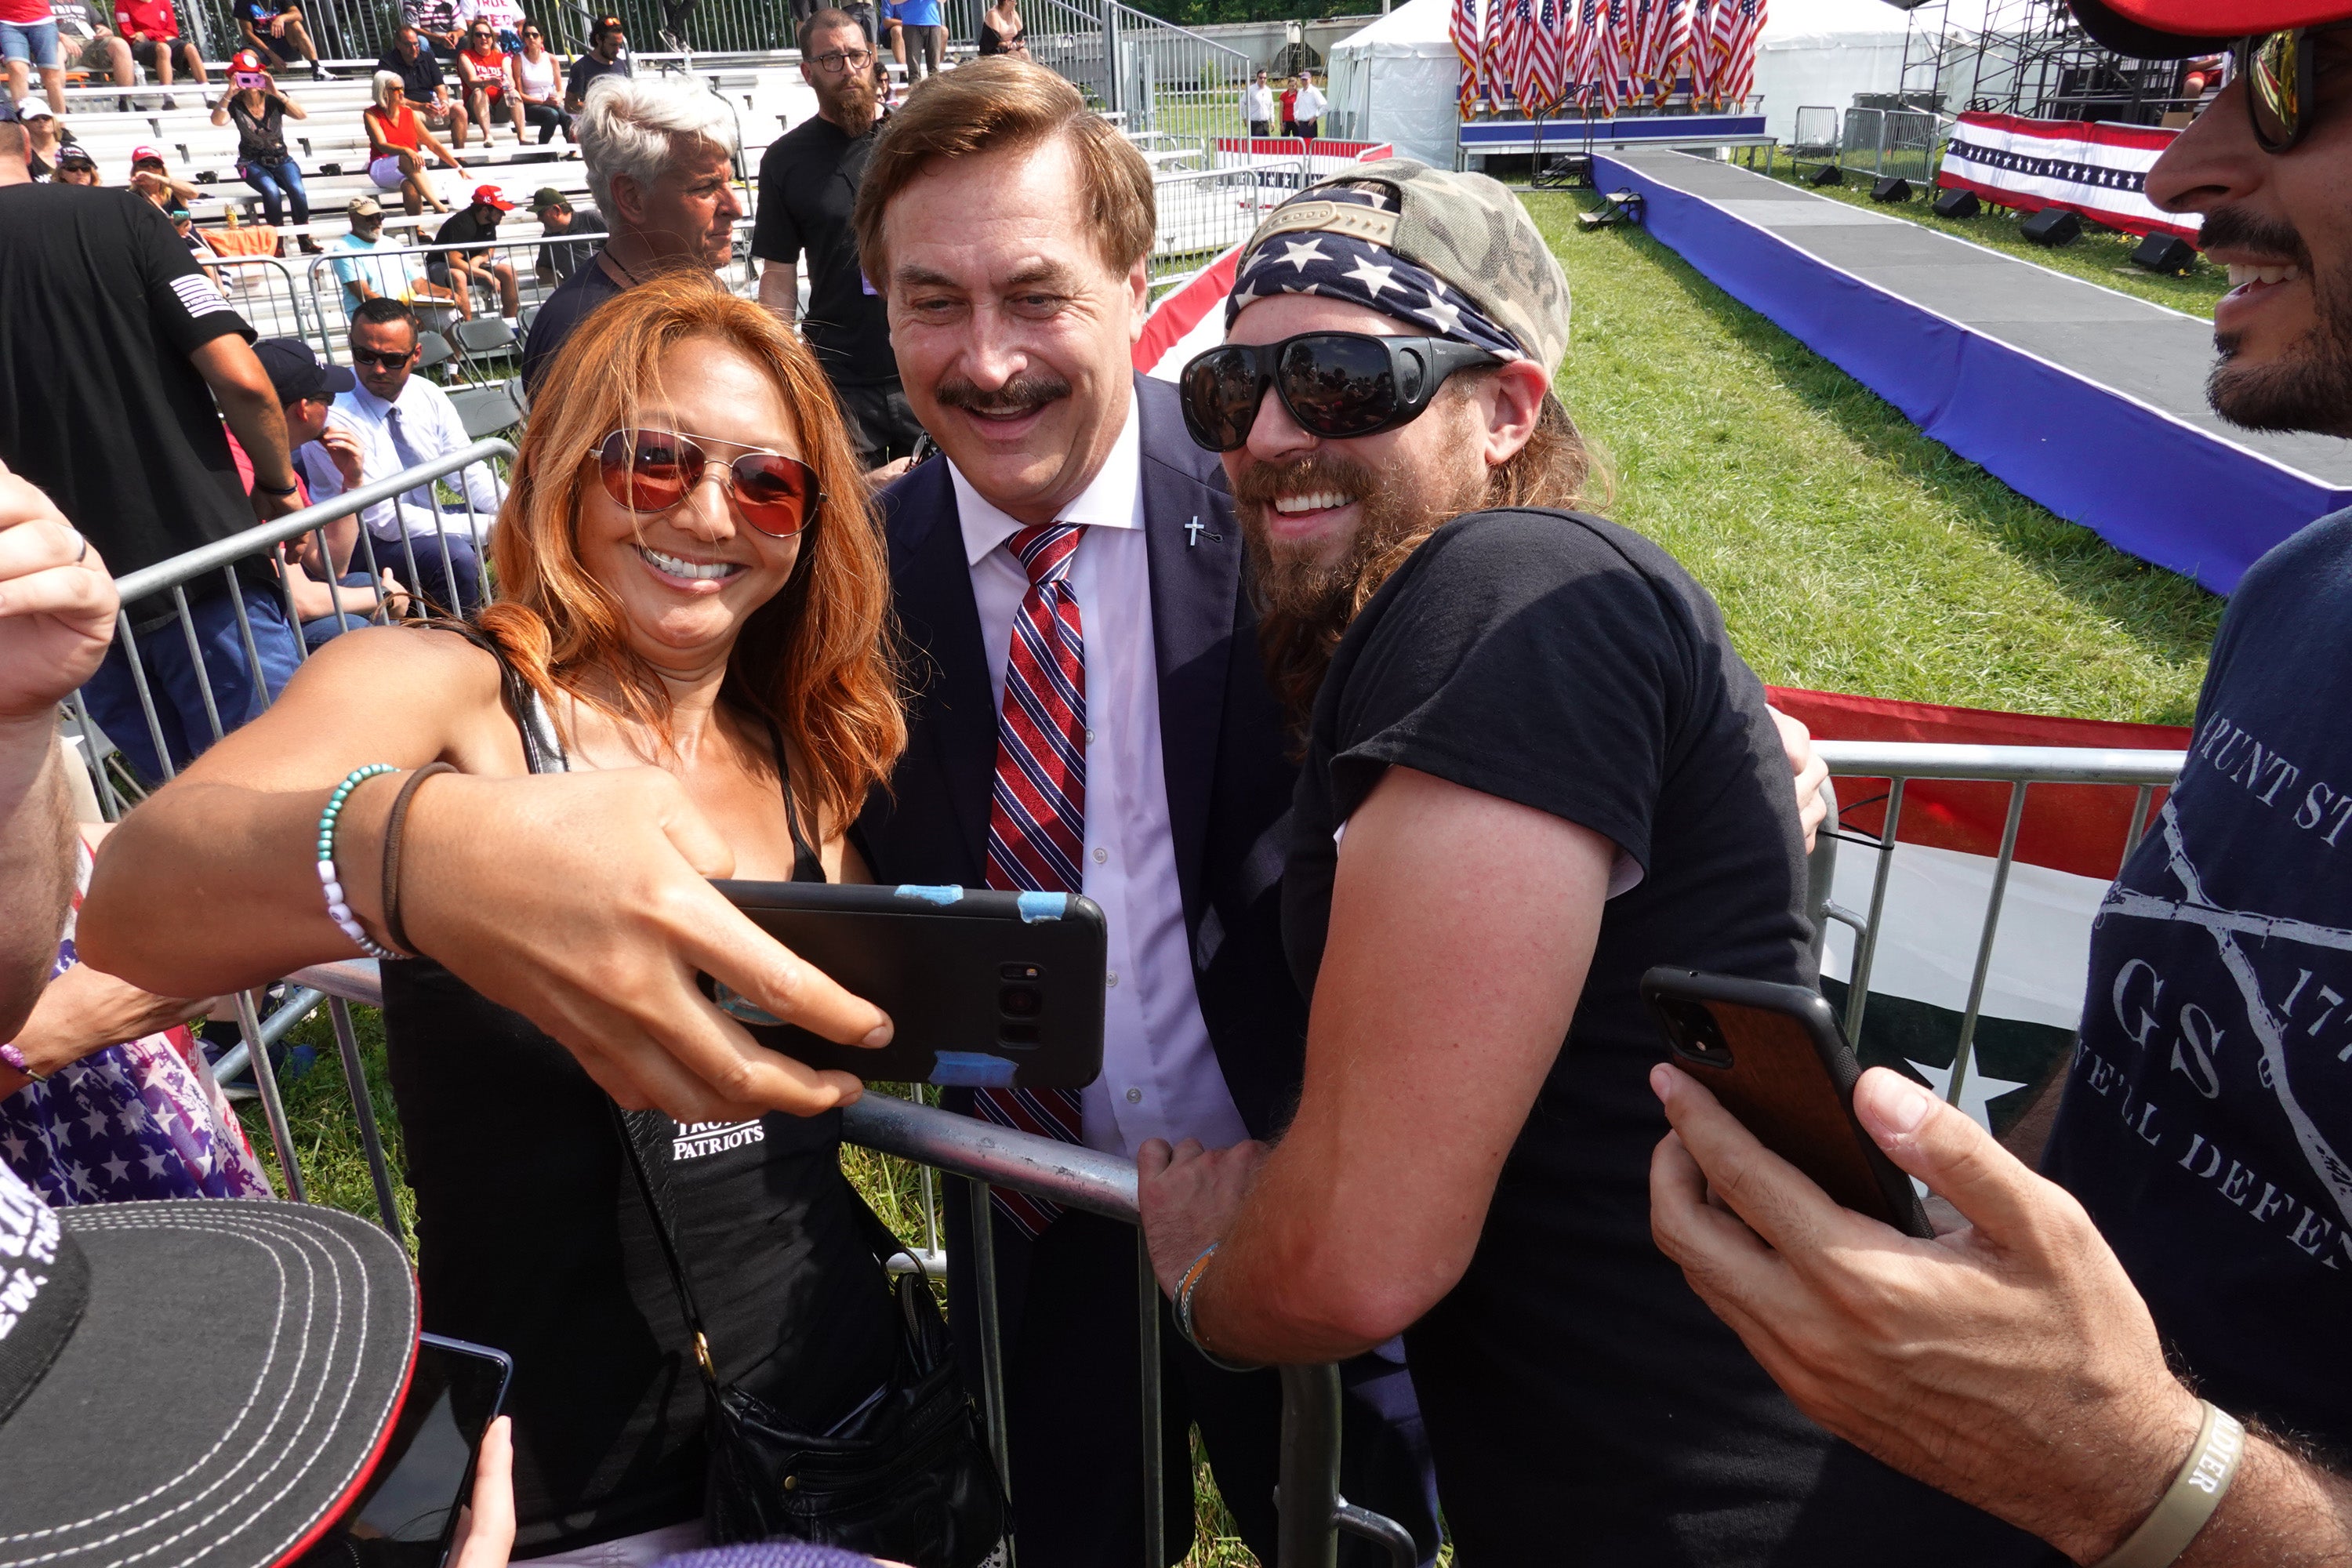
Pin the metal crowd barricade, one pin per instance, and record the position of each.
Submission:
(2019, 767)
(273, 311)
(173, 577)
(1312, 1513)
(1203, 212)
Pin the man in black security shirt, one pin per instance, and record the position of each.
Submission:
(1534, 767)
(808, 187)
(2143, 1359)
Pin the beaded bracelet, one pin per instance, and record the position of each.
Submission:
(1185, 1288)
(338, 909)
(10, 1057)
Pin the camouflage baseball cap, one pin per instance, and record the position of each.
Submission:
(1466, 230)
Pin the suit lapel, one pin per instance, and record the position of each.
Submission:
(948, 666)
(1195, 592)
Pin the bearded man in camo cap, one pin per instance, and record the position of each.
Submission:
(1534, 767)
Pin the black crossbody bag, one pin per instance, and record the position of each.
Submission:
(908, 1477)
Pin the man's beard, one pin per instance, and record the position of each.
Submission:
(852, 103)
(2308, 387)
(1305, 604)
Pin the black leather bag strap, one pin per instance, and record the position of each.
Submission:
(655, 1195)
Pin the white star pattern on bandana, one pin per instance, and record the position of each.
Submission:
(1446, 318)
(1374, 279)
(1301, 253)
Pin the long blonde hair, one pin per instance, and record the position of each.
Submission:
(815, 658)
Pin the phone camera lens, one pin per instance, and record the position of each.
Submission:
(1020, 1001)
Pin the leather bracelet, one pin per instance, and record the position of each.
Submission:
(273, 489)
(393, 831)
(2191, 1500)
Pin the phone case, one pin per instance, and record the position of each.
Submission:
(1775, 1058)
(985, 990)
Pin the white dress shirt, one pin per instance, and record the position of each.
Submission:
(429, 428)
(1309, 104)
(1160, 1077)
(1257, 102)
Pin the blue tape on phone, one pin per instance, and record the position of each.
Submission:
(971, 1069)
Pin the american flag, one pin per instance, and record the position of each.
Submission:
(1513, 49)
(1647, 43)
(1470, 49)
(1698, 50)
(1584, 55)
(1609, 54)
(1666, 22)
(1742, 26)
(1548, 61)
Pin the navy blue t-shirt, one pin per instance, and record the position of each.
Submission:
(2208, 1120)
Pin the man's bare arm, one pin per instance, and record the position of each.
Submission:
(780, 288)
(250, 405)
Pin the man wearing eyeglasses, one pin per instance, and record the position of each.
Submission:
(1533, 767)
(808, 188)
(2142, 1359)
(401, 420)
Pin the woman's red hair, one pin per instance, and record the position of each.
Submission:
(815, 658)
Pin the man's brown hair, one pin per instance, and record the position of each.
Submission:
(999, 104)
(833, 18)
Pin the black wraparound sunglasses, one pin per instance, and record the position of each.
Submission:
(2280, 72)
(1335, 385)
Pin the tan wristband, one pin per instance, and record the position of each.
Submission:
(2195, 1493)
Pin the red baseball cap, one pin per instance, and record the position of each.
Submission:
(492, 196)
(139, 154)
(2175, 29)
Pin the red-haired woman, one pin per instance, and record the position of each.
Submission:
(683, 675)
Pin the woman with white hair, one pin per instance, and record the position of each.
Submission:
(397, 142)
(660, 153)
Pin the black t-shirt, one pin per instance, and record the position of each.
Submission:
(568, 255)
(100, 306)
(418, 78)
(587, 68)
(466, 227)
(1580, 1400)
(260, 139)
(808, 187)
(2208, 1120)
(565, 309)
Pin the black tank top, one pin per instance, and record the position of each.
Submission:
(532, 1238)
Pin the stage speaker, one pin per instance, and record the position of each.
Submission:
(2052, 226)
(1891, 189)
(1827, 174)
(1958, 204)
(2165, 253)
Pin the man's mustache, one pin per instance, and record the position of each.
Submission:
(1259, 483)
(1023, 394)
(2236, 228)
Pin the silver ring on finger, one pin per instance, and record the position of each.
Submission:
(82, 540)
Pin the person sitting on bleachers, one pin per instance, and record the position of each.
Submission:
(151, 178)
(275, 30)
(505, 18)
(482, 68)
(560, 259)
(463, 271)
(152, 29)
(438, 20)
(401, 420)
(259, 111)
(424, 83)
(28, 42)
(46, 136)
(183, 224)
(608, 54)
(398, 138)
(76, 166)
(539, 85)
(85, 28)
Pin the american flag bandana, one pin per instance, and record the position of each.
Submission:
(1344, 266)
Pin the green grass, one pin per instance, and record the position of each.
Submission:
(2102, 255)
(1849, 551)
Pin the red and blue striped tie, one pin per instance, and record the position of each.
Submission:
(1037, 815)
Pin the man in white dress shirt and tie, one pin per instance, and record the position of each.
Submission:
(400, 419)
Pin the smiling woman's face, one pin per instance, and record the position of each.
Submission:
(687, 579)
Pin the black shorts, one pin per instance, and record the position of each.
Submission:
(144, 50)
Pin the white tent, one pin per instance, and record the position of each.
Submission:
(1395, 79)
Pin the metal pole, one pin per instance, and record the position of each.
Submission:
(1961, 1053)
(1866, 947)
(273, 1106)
(1155, 1489)
(347, 1045)
(992, 1346)
(1307, 1503)
(1113, 84)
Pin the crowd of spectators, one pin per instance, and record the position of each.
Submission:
(1393, 766)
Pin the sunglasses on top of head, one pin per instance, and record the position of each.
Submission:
(2280, 69)
(650, 471)
(1337, 385)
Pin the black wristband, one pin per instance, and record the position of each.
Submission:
(273, 489)
(393, 826)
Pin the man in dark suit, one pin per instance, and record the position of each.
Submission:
(1072, 564)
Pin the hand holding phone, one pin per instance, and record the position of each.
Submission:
(485, 1527)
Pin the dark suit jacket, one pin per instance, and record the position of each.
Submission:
(1220, 731)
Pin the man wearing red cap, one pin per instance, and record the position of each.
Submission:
(2141, 1359)
(460, 270)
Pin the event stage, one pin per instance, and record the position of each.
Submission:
(2089, 401)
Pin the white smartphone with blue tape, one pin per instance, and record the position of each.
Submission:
(985, 990)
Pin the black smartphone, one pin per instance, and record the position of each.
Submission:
(985, 990)
(1776, 1058)
(408, 1512)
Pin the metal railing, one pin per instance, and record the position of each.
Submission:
(1203, 212)
(2021, 767)
(1890, 141)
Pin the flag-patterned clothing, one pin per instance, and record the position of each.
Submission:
(139, 1119)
